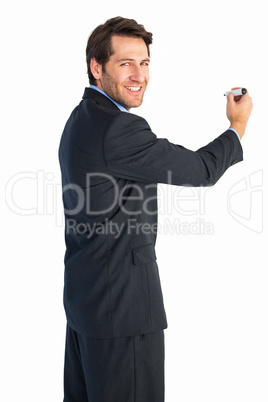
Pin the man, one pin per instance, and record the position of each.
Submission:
(111, 163)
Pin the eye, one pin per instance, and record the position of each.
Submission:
(145, 63)
(125, 64)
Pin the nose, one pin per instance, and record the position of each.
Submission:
(137, 74)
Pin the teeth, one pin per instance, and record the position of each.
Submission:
(134, 88)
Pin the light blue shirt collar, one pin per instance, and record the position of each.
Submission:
(122, 108)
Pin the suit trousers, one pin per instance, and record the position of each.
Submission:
(129, 369)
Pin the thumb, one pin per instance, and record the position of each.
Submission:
(230, 97)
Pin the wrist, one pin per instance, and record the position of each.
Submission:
(239, 128)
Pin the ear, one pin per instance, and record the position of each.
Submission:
(95, 68)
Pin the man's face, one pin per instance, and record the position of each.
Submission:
(126, 73)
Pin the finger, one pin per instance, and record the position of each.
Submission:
(233, 99)
(241, 97)
(230, 97)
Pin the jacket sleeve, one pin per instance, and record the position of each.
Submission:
(132, 151)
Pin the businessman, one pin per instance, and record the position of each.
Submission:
(111, 163)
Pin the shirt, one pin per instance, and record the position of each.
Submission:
(122, 108)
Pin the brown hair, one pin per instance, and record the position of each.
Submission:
(99, 42)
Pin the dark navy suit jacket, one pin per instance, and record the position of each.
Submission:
(111, 163)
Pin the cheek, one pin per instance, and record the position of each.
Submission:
(146, 77)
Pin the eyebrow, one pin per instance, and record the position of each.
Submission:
(120, 60)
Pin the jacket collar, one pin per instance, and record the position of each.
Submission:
(99, 98)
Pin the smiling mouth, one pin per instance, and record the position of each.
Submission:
(134, 89)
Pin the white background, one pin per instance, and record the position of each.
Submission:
(214, 285)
